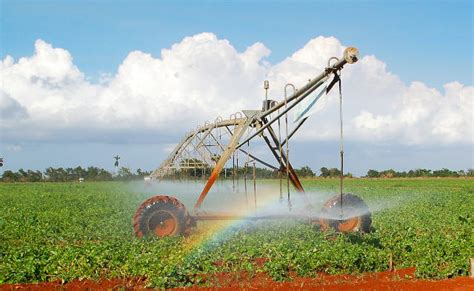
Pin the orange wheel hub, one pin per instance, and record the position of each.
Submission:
(163, 223)
(351, 216)
(351, 224)
(162, 216)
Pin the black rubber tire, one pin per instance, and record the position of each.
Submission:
(349, 201)
(149, 217)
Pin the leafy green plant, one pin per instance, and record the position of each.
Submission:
(67, 231)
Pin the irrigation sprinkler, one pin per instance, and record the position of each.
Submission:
(214, 144)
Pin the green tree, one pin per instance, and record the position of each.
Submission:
(9, 176)
(324, 172)
(372, 174)
(388, 174)
(34, 176)
(305, 171)
(125, 173)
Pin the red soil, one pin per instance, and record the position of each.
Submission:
(115, 284)
(388, 280)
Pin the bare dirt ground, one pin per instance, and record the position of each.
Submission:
(388, 280)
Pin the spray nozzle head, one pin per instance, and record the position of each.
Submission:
(351, 55)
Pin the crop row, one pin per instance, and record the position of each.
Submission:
(66, 231)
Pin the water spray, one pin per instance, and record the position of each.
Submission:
(209, 147)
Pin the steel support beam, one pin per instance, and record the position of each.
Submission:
(239, 130)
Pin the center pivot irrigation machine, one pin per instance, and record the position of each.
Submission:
(213, 145)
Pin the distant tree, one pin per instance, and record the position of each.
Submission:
(139, 172)
(445, 173)
(78, 172)
(401, 174)
(388, 174)
(103, 175)
(34, 176)
(334, 172)
(125, 173)
(98, 174)
(372, 174)
(417, 173)
(22, 175)
(9, 176)
(260, 173)
(305, 171)
(422, 173)
(49, 172)
(56, 175)
(329, 173)
(92, 174)
(324, 172)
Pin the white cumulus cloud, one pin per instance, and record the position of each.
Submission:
(46, 95)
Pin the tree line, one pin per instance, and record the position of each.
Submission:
(125, 174)
(238, 172)
(419, 173)
(72, 174)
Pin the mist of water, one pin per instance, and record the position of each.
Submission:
(230, 197)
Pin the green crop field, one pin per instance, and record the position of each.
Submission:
(65, 231)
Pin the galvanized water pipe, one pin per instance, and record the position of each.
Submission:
(351, 55)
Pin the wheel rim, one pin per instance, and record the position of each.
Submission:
(351, 221)
(351, 224)
(163, 223)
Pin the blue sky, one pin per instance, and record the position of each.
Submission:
(426, 41)
(430, 41)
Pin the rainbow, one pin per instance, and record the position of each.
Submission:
(268, 202)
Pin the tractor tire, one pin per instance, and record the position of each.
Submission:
(162, 216)
(356, 216)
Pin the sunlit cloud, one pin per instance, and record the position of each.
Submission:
(46, 97)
